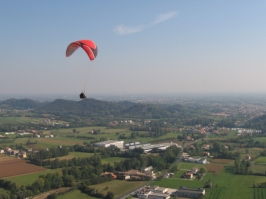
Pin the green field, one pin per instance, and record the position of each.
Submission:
(111, 160)
(29, 178)
(217, 193)
(231, 134)
(261, 161)
(261, 139)
(75, 194)
(259, 193)
(177, 182)
(15, 120)
(105, 132)
(179, 174)
(49, 142)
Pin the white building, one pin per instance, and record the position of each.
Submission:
(110, 143)
(154, 192)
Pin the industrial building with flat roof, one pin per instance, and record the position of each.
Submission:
(110, 143)
(148, 147)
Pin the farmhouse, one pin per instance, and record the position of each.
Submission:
(248, 157)
(206, 146)
(206, 153)
(109, 174)
(188, 175)
(23, 154)
(146, 169)
(190, 192)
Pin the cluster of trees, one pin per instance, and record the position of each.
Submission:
(57, 163)
(242, 166)
(203, 121)
(193, 134)
(218, 150)
(94, 192)
(148, 131)
(248, 142)
(40, 157)
(228, 122)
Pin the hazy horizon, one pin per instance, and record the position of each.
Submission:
(145, 47)
(139, 97)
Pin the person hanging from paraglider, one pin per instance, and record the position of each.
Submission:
(89, 47)
(82, 95)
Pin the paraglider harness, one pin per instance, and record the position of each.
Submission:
(83, 96)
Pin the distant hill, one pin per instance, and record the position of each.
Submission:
(147, 111)
(94, 108)
(20, 104)
(90, 107)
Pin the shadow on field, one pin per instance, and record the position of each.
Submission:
(229, 169)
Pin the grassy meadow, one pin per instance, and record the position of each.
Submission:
(75, 194)
(15, 120)
(48, 142)
(30, 178)
(111, 160)
(231, 134)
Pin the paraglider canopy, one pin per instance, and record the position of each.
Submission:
(87, 45)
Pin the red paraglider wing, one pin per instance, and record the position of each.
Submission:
(87, 45)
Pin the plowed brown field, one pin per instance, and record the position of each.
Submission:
(215, 168)
(15, 167)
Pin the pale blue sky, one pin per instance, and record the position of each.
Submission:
(145, 47)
